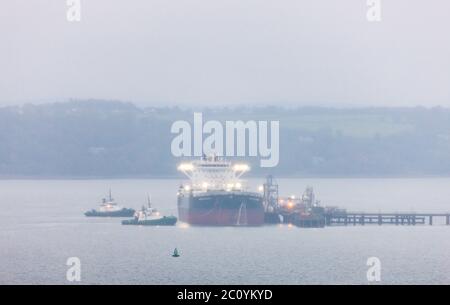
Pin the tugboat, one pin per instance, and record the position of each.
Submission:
(304, 212)
(149, 216)
(110, 208)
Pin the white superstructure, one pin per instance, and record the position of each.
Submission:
(213, 173)
(109, 204)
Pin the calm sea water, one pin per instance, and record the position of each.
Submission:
(42, 224)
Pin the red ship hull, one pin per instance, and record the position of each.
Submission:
(218, 208)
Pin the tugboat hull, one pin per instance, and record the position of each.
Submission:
(121, 213)
(164, 221)
(216, 208)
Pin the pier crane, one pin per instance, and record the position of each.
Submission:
(270, 200)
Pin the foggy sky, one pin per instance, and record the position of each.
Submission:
(227, 52)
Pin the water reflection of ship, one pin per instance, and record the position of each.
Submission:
(216, 196)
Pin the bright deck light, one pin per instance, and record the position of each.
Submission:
(185, 167)
(241, 168)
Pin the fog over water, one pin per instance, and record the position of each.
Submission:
(86, 103)
(43, 224)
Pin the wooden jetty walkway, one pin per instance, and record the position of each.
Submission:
(351, 218)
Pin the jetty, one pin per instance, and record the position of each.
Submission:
(306, 211)
(409, 218)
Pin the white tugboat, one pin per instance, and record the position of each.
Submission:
(149, 216)
(110, 208)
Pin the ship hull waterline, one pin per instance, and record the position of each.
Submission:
(163, 221)
(121, 213)
(221, 209)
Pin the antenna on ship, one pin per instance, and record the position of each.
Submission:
(149, 202)
(110, 195)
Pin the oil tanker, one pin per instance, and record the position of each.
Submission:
(216, 196)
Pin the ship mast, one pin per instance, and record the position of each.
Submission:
(149, 202)
(110, 195)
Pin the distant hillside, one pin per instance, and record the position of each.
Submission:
(114, 139)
